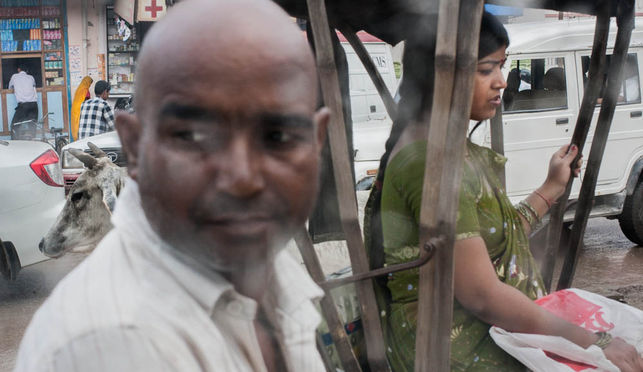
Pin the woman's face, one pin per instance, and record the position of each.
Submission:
(487, 85)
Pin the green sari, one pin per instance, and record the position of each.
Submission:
(484, 211)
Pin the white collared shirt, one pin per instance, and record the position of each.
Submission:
(24, 87)
(135, 304)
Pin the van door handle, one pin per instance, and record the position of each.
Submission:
(562, 121)
(636, 114)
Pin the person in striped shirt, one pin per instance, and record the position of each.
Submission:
(96, 116)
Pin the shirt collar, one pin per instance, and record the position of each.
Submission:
(290, 285)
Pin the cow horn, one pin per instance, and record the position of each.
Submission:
(97, 151)
(87, 159)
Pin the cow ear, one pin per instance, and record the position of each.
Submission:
(88, 160)
(96, 150)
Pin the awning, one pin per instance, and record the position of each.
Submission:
(144, 10)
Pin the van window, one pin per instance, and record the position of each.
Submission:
(630, 91)
(536, 85)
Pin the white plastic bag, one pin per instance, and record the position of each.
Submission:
(588, 310)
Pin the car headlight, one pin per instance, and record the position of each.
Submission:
(70, 161)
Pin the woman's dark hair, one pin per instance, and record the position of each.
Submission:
(418, 61)
(493, 35)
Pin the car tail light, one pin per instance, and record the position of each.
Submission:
(47, 168)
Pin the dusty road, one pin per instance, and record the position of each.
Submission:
(609, 265)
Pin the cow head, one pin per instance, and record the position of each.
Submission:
(85, 218)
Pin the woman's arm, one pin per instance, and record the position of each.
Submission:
(478, 289)
(555, 184)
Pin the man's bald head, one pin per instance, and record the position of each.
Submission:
(225, 142)
(239, 40)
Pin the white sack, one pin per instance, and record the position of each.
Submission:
(588, 310)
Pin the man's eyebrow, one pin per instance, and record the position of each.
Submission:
(288, 120)
(183, 111)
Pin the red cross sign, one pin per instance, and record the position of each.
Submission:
(153, 9)
(150, 10)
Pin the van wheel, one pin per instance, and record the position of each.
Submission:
(631, 219)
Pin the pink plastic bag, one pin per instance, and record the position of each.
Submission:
(588, 310)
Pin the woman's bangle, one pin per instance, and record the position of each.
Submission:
(543, 198)
(527, 211)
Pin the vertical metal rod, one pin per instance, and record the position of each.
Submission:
(498, 141)
(376, 78)
(456, 57)
(329, 309)
(625, 22)
(345, 188)
(583, 123)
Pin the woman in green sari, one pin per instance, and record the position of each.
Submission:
(495, 278)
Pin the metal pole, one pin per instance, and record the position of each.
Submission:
(456, 58)
(345, 188)
(376, 78)
(592, 90)
(329, 309)
(498, 142)
(625, 23)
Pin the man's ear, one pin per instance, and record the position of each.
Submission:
(321, 120)
(129, 131)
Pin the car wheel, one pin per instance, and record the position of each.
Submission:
(631, 219)
(9, 261)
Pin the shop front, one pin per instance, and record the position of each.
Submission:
(127, 23)
(32, 35)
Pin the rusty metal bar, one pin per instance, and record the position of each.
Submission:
(329, 309)
(456, 58)
(498, 141)
(625, 23)
(374, 337)
(426, 255)
(583, 123)
(376, 78)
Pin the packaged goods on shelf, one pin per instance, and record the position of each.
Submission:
(50, 11)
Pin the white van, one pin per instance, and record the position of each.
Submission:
(371, 123)
(546, 71)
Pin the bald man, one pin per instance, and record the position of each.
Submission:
(223, 156)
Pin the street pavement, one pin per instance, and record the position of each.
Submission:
(609, 265)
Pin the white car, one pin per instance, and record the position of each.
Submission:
(31, 197)
(108, 142)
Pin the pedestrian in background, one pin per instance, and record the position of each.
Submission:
(24, 88)
(96, 116)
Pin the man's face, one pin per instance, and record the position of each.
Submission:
(228, 161)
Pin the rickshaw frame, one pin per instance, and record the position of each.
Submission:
(456, 51)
